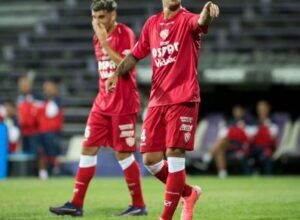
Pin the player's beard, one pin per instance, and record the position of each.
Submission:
(173, 5)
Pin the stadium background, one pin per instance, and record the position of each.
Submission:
(250, 53)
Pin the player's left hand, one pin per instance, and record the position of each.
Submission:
(211, 9)
(110, 83)
(100, 31)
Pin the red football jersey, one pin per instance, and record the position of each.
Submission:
(27, 114)
(50, 121)
(174, 45)
(125, 99)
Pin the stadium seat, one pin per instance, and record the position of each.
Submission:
(285, 126)
(290, 157)
(21, 164)
(196, 153)
(293, 147)
(69, 161)
(73, 150)
(206, 134)
(215, 122)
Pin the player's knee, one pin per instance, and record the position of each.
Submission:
(175, 152)
(122, 155)
(151, 159)
(89, 151)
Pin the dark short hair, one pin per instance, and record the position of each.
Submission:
(108, 5)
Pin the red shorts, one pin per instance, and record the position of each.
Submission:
(117, 132)
(169, 127)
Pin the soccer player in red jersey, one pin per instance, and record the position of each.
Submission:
(173, 37)
(113, 116)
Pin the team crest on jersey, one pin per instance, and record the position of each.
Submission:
(164, 34)
(187, 137)
(130, 141)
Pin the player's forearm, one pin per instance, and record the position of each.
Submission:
(205, 18)
(126, 65)
(209, 12)
(114, 55)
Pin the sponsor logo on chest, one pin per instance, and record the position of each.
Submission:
(106, 68)
(165, 54)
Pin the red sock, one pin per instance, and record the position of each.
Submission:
(83, 178)
(162, 175)
(133, 179)
(174, 187)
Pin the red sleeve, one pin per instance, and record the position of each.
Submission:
(131, 39)
(128, 41)
(193, 21)
(142, 47)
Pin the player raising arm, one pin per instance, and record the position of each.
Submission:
(173, 37)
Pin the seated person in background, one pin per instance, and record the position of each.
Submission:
(263, 143)
(10, 120)
(232, 141)
(50, 121)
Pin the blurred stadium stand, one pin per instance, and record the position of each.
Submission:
(251, 51)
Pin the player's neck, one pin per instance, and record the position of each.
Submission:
(168, 14)
(111, 29)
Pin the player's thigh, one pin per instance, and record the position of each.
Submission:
(98, 130)
(182, 122)
(124, 133)
(154, 130)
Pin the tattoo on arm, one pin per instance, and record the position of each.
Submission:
(127, 64)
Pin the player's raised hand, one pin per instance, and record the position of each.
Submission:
(100, 31)
(111, 82)
(211, 9)
(209, 12)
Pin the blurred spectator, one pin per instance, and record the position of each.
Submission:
(27, 115)
(27, 109)
(10, 120)
(232, 141)
(50, 118)
(264, 141)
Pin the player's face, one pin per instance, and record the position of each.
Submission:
(238, 112)
(172, 5)
(50, 88)
(263, 109)
(10, 109)
(104, 17)
(24, 85)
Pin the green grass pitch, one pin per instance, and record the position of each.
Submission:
(235, 198)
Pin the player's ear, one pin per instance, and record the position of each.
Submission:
(114, 15)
